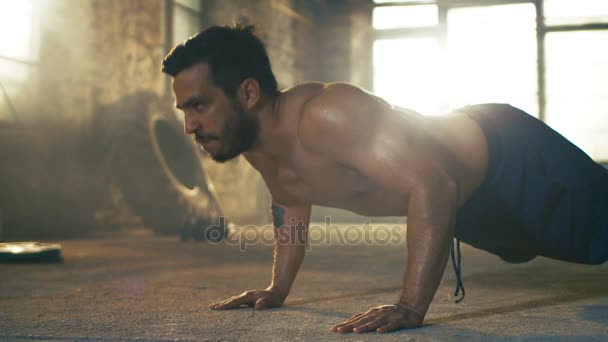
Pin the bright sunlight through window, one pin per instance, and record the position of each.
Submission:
(577, 94)
(16, 47)
(405, 73)
(490, 57)
(404, 16)
(16, 29)
(560, 12)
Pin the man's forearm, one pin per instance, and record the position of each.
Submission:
(291, 233)
(287, 261)
(429, 235)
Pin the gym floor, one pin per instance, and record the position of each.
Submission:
(136, 286)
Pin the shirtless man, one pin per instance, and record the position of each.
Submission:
(490, 175)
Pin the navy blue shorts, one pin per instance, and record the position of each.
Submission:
(542, 195)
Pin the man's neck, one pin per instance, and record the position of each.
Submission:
(269, 120)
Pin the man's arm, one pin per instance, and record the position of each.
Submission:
(291, 233)
(359, 130)
(290, 219)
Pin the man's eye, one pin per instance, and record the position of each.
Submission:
(198, 107)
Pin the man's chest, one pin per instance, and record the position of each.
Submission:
(318, 180)
(327, 183)
(297, 175)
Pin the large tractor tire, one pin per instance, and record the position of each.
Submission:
(157, 167)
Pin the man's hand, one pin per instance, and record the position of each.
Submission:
(258, 299)
(382, 319)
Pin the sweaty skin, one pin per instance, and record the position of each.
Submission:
(337, 145)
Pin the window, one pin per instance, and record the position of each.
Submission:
(486, 58)
(186, 19)
(406, 66)
(577, 94)
(564, 12)
(434, 56)
(576, 62)
(401, 1)
(491, 56)
(18, 52)
(405, 78)
(404, 16)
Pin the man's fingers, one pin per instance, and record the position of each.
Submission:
(387, 328)
(231, 303)
(370, 326)
(214, 305)
(338, 326)
(382, 319)
(354, 318)
(344, 328)
(221, 303)
(226, 300)
(348, 321)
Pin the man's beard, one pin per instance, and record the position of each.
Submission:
(238, 135)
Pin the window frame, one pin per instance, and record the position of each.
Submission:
(440, 33)
(169, 29)
(32, 63)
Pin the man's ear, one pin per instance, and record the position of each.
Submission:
(249, 93)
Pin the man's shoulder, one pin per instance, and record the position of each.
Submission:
(335, 101)
(333, 113)
(302, 89)
(330, 95)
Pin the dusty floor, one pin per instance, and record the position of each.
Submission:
(136, 287)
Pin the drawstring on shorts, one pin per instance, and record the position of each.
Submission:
(457, 270)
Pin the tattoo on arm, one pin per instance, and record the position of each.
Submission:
(278, 214)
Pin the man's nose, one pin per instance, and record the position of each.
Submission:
(191, 124)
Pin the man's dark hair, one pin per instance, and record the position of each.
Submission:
(233, 54)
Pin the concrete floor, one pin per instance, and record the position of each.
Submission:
(134, 287)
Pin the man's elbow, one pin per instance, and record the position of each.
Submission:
(438, 188)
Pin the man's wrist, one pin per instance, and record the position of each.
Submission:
(413, 313)
(278, 290)
(406, 303)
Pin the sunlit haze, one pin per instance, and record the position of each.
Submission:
(15, 28)
(487, 59)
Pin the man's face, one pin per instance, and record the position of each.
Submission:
(218, 122)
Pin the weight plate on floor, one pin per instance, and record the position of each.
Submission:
(30, 251)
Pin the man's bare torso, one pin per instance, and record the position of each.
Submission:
(295, 173)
